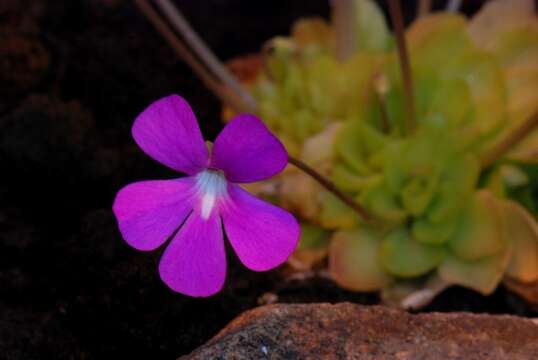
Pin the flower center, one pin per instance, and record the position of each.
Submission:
(211, 185)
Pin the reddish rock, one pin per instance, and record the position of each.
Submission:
(349, 331)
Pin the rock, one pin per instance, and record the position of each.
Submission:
(349, 331)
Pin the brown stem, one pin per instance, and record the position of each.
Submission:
(343, 18)
(511, 139)
(424, 7)
(380, 85)
(405, 67)
(327, 184)
(222, 92)
(198, 46)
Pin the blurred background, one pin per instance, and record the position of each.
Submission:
(73, 76)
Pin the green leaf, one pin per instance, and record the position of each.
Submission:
(481, 275)
(335, 214)
(377, 198)
(418, 193)
(434, 234)
(353, 261)
(479, 233)
(402, 256)
(371, 28)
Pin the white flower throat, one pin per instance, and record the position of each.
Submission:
(211, 185)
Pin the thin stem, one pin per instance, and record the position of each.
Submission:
(199, 47)
(381, 87)
(424, 7)
(222, 92)
(397, 22)
(327, 184)
(453, 5)
(511, 139)
(343, 18)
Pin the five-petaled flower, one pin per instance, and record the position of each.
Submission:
(150, 212)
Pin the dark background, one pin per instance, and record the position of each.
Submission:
(73, 76)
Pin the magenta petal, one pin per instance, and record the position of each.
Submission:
(194, 263)
(247, 151)
(148, 212)
(168, 132)
(262, 235)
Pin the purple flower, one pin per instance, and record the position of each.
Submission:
(149, 212)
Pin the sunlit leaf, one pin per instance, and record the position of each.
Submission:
(371, 29)
(403, 256)
(481, 275)
(479, 233)
(313, 32)
(353, 261)
(335, 214)
(435, 234)
(521, 229)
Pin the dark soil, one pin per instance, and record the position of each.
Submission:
(73, 75)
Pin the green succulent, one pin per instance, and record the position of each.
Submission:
(439, 211)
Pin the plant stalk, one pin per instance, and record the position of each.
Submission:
(182, 26)
(343, 18)
(381, 87)
(222, 92)
(327, 184)
(511, 139)
(424, 7)
(405, 67)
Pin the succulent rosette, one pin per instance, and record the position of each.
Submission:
(445, 214)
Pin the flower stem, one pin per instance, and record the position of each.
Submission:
(327, 184)
(182, 26)
(424, 7)
(343, 18)
(221, 91)
(511, 139)
(405, 67)
(381, 87)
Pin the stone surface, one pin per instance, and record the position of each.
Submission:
(349, 331)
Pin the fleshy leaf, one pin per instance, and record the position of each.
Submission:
(522, 230)
(335, 214)
(353, 261)
(313, 32)
(418, 193)
(402, 256)
(377, 198)
(371, 29)
(482, 275)
(435, 234)
(496, 17)
(479, 233)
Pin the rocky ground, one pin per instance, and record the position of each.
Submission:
(73, 75)
(349, 331)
